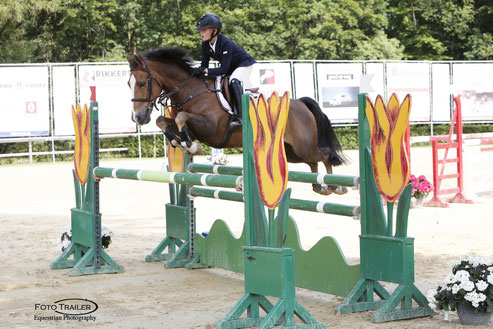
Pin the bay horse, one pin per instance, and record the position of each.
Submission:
(164, 75)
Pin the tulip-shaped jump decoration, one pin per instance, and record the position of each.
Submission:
(268, 121)
(265, 180)
(82, 150)
(176, 157)
(388, 124)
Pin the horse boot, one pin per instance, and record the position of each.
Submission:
(236, 92)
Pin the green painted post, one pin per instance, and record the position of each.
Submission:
(86, 248)
(268, 271)
(383, 257)
(179, 241)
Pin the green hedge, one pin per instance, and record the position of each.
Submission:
(152, 145)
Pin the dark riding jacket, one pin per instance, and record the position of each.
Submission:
(229, 54)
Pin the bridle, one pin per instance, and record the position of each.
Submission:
(164, 98)
(150, 101)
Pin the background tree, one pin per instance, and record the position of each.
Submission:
(442, 29)
(97, 30)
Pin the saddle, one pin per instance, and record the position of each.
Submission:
(224, 97)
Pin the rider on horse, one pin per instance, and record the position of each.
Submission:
(233, 59)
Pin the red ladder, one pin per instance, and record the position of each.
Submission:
(439, 176)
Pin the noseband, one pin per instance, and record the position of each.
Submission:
(164, 96)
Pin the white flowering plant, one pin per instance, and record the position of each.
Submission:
(66, 238)
(471, 282)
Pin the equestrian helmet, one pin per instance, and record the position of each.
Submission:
(209, 21)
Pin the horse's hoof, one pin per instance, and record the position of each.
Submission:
(184, 150)
(239, 184)
(195, 149)
(339, 190)
(321, 189)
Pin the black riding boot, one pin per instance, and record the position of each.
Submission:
(237, 92)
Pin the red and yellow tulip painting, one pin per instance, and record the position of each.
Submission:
(82, 150)
(271, 166)
(175, 155)
(388, 125)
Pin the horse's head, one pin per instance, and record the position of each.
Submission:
(145, 89)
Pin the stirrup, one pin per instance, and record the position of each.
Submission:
(235, 121)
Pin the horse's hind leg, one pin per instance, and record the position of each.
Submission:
(334, 188)
(318, 188)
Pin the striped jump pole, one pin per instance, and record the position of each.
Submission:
(168, 177)
(294, 176)
(298, 204)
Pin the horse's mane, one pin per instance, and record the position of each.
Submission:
(175, 55)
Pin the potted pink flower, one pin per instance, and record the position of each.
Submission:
(421, 188)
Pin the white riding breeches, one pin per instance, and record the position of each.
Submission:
(243, 74)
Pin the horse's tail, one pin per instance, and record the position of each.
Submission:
(326, 135)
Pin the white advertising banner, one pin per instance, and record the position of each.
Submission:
(64, 97)
(25, 105)
(377, 82)
(414, 79)
(303, 78)
(338, 89)
(112, 93)
(473, 81)
(270, 77)
(441, 92)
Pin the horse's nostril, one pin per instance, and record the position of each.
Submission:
(140, 118)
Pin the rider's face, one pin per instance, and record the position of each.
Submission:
(206, 34)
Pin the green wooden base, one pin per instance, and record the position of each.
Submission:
(268, 272)
(174, 258)
(361, 298)
(322, 268)
(157, 254)
(83, 261)
(280, 315)
(194, 262)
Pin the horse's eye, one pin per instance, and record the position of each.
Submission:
(141, 84)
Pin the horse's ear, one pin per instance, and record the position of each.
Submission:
(135, 60)
(138, 60)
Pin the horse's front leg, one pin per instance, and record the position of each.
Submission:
(170, 130)
(200, 123)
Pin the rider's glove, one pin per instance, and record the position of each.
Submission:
(198, 71)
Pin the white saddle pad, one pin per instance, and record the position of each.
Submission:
(222, 100)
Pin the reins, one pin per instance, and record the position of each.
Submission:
(164, 97)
